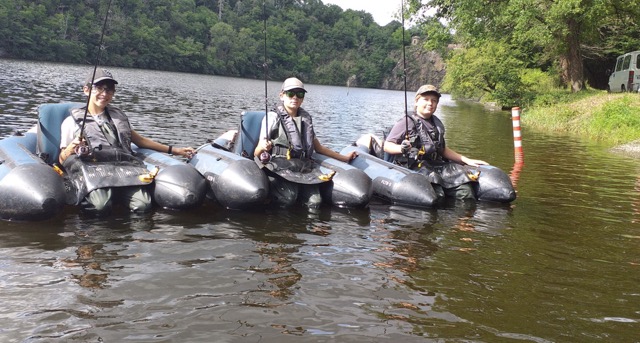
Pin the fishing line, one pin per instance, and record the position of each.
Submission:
(95, 67)
(265, 156)
(404, 75)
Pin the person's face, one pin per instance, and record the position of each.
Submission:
(426, 104)
(101, 93)
(292, 99)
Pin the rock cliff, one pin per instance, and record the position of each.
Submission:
(422, 67)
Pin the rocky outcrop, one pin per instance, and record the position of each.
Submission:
(422, 67)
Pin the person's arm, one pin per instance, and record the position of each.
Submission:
(147, 143)
(264, 144)
(68, 142)
(68, 150)
(396, 136)
(451, 155)
(321, 149)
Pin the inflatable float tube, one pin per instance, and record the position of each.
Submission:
(393, 183)
(233, 181)
(29, 188)
(177, 185)
(493, 183)
(349, 187)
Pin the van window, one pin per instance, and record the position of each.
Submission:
(619, 64)
(638, 61)
(627, 62)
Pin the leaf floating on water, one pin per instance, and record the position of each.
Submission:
(630, 236)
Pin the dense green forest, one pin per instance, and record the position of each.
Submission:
(317, 42)
(505, 51)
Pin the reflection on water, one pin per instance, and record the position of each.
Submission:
(557, 265)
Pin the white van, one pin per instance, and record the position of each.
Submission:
(626, 76)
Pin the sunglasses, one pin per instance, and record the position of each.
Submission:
(99, 89)
(299, 94)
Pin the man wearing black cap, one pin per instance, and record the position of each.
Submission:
(106, 129)
(423, 148)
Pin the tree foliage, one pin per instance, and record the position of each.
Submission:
(549, 35)
(226, 37)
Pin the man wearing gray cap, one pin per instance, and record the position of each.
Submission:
(423, 148)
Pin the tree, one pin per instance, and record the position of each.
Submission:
(546, 31)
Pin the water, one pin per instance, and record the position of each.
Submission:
(560, 264)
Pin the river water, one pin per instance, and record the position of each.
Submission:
(559, 264)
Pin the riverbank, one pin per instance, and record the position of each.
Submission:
(613, 119)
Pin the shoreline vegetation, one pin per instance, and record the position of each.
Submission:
(609, 118)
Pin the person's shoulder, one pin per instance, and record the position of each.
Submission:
(112, 108)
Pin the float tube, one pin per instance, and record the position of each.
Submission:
(177, 185)
(349, 187)
(29, 188)
(493, 183)
(234, 181)
(393, 183)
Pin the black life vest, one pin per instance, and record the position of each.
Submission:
(288, 140)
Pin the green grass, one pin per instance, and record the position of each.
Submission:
(612, 119)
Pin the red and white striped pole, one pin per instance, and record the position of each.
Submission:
(517, 135)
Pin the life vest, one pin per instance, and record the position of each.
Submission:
(95, 135)
(109, 164)
(427, 143)
(287, 139)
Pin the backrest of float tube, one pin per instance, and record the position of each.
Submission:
(388, 157)
(248, 133)
(50, 118)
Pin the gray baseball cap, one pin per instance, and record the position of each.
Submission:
(101, 75)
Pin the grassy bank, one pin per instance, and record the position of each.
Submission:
(612, 119)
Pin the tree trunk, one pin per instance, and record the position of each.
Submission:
(571, 62)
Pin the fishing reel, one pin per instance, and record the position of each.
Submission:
(82, 150)
(265, 157)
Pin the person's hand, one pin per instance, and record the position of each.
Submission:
(187, 152)
(472, 162)
(405, 146)
(79, 146)
(350, 156)
(266, 145)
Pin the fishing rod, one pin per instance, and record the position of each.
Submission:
(404, 75)
(265, 156)
(95, 67)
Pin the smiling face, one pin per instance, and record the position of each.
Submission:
(426, 104)
(292, 100)
(100, 96)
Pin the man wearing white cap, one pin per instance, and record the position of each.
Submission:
(291, 136)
